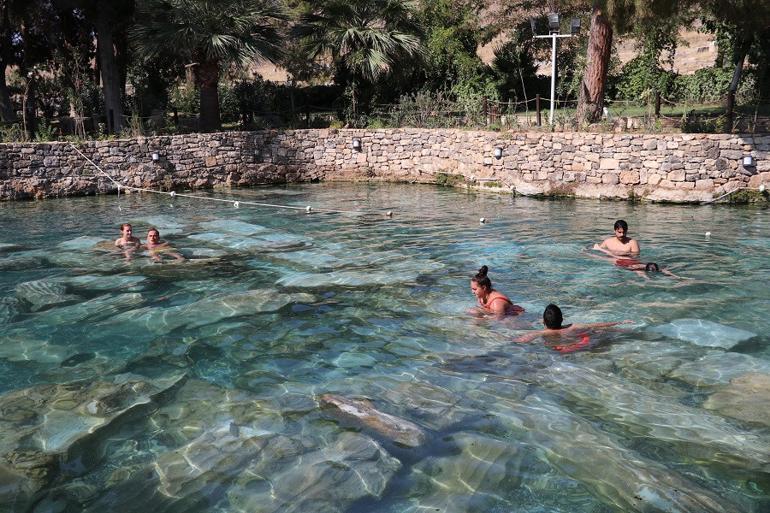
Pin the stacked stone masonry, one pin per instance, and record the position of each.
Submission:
(672, 167)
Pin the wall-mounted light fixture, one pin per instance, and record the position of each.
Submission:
(498, 152)
(155, 157)
(748, 161)
(356, 144)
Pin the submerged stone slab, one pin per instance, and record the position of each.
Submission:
(719, 368)
(6, 247)
(203, 252)
(233, 226)
(101, 282)
(42, 424)
(98, 308)
(211, 310)
(389, 426)
(263, 241)
(44, 293)
(344, 279)
(643, 413)
(18, 346)
(80, 243)
(616, 475)
(9, 308)
(746, 398)
(328, 480)
(167, 225)
(468, 479)
(704, 333)
(19, 262)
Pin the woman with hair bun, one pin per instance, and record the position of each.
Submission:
(490, 300)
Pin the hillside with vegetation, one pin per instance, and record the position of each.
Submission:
(83, 68)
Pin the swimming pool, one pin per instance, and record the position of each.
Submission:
(221, 383)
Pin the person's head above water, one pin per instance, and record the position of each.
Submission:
(126, 229)
(651, 267)
(621, 228)
(552, 317)
(153, 235)
(480, 283)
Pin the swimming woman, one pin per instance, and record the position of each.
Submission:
(490, 300)
(553, 321)
(127, 239)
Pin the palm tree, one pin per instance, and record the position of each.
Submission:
(365, 38)
(211, 35)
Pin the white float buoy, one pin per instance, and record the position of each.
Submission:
(308, 209)
(236, 204)
(172, 194)
(708, 234)
(389, 213)
(762, 188)
(482, 220)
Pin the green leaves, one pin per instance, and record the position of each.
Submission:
(226, 31)
(365, 37)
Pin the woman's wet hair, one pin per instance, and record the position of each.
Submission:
(552, 317)
(620, 224)
(651, 267)
(481, 278)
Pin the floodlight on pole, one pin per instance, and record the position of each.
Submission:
(554, 29)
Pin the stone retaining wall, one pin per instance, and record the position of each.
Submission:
(671, 167)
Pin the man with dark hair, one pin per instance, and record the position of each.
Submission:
(553, 319)
(621, 244)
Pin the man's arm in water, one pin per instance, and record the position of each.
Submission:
(529, 337)
(599, 324)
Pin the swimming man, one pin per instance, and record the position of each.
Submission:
(158, 248)
(621, 244)
(554, 327)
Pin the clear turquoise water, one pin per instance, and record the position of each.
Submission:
(362, 306)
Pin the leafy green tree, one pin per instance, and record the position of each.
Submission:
(745, 27)
(644, 77)
(452, 34)
(365, 39)
(211, 36)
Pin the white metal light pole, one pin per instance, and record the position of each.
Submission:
(553, 29)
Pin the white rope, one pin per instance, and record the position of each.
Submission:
(235, 203)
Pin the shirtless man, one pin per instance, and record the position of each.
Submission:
(127, 239)
(621, 244)
(553, 319)
(158, 248)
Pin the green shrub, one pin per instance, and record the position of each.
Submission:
(45, 131)
(185, 99)
(640, 79)
(12, 133)
(707, 85)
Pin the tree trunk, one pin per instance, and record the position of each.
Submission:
(7, 112)
(591, 99)
(113, 109)
(207, 78)
(741, 50)
(29, 108)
